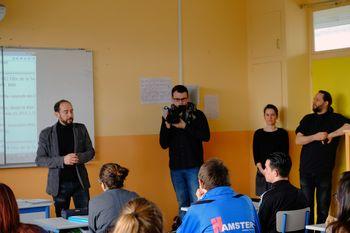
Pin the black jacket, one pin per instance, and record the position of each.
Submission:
(185, 145)
(282, 196)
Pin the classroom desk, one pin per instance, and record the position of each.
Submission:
(317, 227)
(30, 209)
(57, 224)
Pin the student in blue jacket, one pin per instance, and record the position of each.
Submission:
(219, 208)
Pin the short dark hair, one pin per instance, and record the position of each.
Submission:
(180, 89)
(326, 97)
(280, 161)
(213, 173)
(57, 105)
(113, 175)
(271, 106)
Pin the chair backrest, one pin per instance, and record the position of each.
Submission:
(292, 220)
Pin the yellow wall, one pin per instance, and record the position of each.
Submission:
(133, 39)
(332, 74)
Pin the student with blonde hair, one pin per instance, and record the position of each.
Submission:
(140, 216)
(106, 207)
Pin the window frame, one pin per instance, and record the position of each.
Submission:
(326, 53)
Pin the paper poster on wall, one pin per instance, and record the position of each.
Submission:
(193, 93)
(155, 90)
(211, 106)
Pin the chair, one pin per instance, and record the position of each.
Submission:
(292, 220)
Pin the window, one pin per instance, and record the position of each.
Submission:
(331, 28)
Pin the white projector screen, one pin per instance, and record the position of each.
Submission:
(32, 81)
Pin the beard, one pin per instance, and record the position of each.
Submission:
(68, 121)
(317, 109)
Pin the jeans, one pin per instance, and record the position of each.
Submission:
(185, 182)
(67, 190)
(322, 184)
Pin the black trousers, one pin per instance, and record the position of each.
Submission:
(68, 190)
(322, 184)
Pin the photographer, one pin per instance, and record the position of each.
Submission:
(182, 131)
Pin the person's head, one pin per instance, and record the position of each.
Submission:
(64, 112)
(213, 173)
(139, 216)
(179, 94)
(270, 114)
(9, 216)
(112, 176)
(277, 167)
(343, 199)
(322, 102)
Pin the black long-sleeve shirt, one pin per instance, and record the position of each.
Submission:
(185, 145)
(265, 143)
(65, 137)
(316, 156)
(282, 196)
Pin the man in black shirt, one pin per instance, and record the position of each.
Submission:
(282, 195)
(319, 134)
(184, 140)
(64, 148)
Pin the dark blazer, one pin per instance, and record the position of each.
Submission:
(48, 155)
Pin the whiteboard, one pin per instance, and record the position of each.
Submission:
(32, 81)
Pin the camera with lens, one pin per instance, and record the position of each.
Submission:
(184, 112)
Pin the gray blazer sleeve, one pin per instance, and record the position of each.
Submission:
(45, 157)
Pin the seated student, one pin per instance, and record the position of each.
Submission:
(342, 222)
(140, 216)
(105, 208)
(9, 214)
(282, 195)
(219, 208)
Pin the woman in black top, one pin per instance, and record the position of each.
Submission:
(268, 140)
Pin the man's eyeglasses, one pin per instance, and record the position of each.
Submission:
(180, 99)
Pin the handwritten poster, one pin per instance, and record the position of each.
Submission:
(155, 90)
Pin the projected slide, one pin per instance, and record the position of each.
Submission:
(32, 80)
(19, 103)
